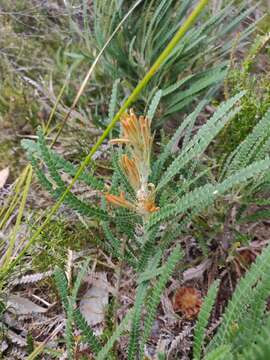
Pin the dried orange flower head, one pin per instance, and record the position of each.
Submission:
(188, 301)
(136, 133)
(137, 130)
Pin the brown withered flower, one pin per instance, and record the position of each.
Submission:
(246, 257)
(187, 300)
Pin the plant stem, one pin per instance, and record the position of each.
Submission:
(8, 255)
(8, 209)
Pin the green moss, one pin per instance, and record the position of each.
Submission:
(55, 240)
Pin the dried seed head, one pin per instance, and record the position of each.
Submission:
(188, 301)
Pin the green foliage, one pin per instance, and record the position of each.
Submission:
(203, 196)
(56, 185)
(196, 193)
(254, 146)
(259, 348)
(244, 327)
(249, 291)
(156, 292)
(103, 354)
(220, 353)
(144, 251)
(87, 333)
(141, 40)
(62, 286)
(179, 133)
(154, 105)
(254, 104)
(148, 249)
(69, 303)
(204, 315)
(73, 314)
(255, 317)
(201, 140)
(68, 299)
(252, 289)
(136, 321)
(59, 236)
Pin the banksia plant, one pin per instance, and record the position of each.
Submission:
(137, 137)
(143, 236)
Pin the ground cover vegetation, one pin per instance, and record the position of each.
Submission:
(134, 180)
